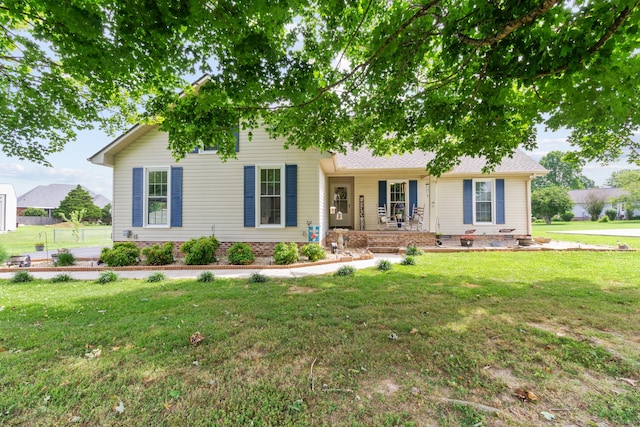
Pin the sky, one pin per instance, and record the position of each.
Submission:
(72, 167)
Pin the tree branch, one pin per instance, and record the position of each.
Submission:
(353, 35)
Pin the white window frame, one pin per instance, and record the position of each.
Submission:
(258, 196)
(492, 182)
(147, 170)
(406, 208)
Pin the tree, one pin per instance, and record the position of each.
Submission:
(456, 78)
(34, 212)
(629, 180)
(550, 201)
(594, 203)
(75, 201)
(562, 173)
(106, 214)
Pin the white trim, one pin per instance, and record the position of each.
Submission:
(283, 207)
(145, 195)
(406, 209)
(493, 200)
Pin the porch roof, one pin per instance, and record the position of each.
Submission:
(363, 159)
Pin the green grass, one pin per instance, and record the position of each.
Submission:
(317, 350)
(544, 230)
(23, 239)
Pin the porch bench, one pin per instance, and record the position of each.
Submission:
(19, 260)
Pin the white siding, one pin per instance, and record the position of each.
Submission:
(450, 211)
(213, 191)
(9, 206)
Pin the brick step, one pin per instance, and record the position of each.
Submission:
(384, 249)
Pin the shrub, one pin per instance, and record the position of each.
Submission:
(345, 270)
(62, 277)
(313, 251)
(413, 250)
(604, 219)
(611, 214)
(206, 277)
(384, 265)
(158, 276)
(65, 259)
(567, 216)
(258, 278)
(201, 251)
(33, 212)
(106, 277)
(285, 254)
(3, 254)
(159, 255)
(408, 260)
(122, 254)
(21, 276)
(240, 254)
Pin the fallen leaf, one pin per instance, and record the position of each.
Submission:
(413, 331)
(168, 406)
(629, 381)
(95, 353)
(119, 408)
(196, 338)
(525, 394)
(549, 416)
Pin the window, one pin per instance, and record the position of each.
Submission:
(270, 186)
(398, 200)
(156, 197)
(483, 201)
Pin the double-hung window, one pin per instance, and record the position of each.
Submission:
(483, 201)
(157, 197)
(270, 195)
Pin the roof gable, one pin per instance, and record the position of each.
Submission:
(50, 196)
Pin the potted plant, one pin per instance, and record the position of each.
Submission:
(467, 240)
(39, 246)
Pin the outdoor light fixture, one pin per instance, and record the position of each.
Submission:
(126, 233)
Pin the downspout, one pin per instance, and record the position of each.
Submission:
(529, 214)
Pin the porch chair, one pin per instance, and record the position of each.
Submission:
(416, 219)
(385, 221)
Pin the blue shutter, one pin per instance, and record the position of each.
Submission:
(467, 201)
(413, 196)
(291, 194)
(382, 193)
(500, 205)
(195, 150)
(249, 196)
(137, 197)
(176, 197)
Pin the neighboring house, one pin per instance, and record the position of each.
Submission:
(270, 194)
(48, 197)
(580, 198)
(7, 208)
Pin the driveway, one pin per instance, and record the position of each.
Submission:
(622, 232)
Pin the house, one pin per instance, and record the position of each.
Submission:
(48, 198)
(580, 199)
(7, 208)
(270, 194)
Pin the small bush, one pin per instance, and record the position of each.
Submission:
(62, 277)
(123, 254)
(413, 250)
(285, 254)
(65, 259)
(345, 270)
(384, 265)
(611, 214)
(156, 277)
(258, 278)
(567, 216)
(201, 251)
(604, 219)
(4, 255)
(206, 277)
(159, 255)
(21, 276)
(106, 277)
(34, 212)
(408, 260)
(240, 254)
(313, 251)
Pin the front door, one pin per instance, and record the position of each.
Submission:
(341, 197)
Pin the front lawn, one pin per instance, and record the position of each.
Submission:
(459, 339)
(544, 230)
(57, 236)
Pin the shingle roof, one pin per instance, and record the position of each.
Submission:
(50, 196)
(580, 196)
(363, 159)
